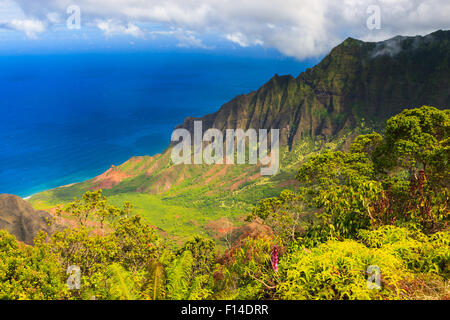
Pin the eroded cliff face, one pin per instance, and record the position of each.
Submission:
(357, 80)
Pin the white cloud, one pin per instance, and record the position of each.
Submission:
(111, 27)
(13, 18)
(188, 39)
(54, 17)
(297, 28)
(238, 38)
(242, 39)
(29, 26)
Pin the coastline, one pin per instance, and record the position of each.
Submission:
(63, 186)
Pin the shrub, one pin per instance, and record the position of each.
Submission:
(27, 272)
(420, 253)
(337, 270)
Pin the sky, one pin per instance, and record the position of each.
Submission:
(294, 28)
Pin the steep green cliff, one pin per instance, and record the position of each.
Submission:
(371, 80)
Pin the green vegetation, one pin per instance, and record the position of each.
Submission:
(370, 223)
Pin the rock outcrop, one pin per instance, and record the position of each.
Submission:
(19, 218)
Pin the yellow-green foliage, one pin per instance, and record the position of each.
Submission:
(27, 272)
(337, 270)
(421, 253)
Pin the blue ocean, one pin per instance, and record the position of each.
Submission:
(67, 118)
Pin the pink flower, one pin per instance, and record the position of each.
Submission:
(275, 258)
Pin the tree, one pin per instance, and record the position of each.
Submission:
(94, 206)
(286, 215)
(342, 186)
(401, 178)
(418, 139)
(203, 252)
(414, 157)
(120, 254)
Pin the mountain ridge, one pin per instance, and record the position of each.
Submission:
(326, 98)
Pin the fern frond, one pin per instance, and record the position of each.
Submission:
(120, 283)
(178, 275)
(198, 289)
(157, 278)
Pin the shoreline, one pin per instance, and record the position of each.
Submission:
(64, 186)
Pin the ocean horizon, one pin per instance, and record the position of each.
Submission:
(68, 118)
